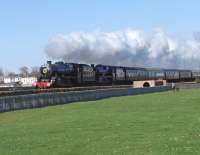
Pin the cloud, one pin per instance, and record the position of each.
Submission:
(127, 48)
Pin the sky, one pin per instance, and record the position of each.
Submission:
(27, 25)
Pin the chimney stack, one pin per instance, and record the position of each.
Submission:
(49, 62)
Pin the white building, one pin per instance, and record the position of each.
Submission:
(23, 81)
(11, 79)
(28, 81)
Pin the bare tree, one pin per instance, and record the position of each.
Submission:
(35, 71)
(1, 75)
(11, 74)
(24, 71)
(1, 72)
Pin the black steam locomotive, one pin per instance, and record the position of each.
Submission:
(62, 74)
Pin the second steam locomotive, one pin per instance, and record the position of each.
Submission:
(60, 74)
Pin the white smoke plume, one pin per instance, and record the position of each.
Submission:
(126, 48)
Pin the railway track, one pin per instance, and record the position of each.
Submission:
(20, 91)
(15, 88)
(15, 91)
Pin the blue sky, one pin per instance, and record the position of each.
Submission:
(26, 25)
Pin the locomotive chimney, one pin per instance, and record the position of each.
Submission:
(49, 62)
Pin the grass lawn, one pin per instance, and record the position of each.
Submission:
(151, 124)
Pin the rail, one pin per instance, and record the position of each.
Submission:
(26, 91)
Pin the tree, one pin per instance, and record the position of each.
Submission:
(35, 71)
(11, 74)
(24, 71)
(1, 75)
(1, 72)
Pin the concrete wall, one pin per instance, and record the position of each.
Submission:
(47, 99)
(152, 83)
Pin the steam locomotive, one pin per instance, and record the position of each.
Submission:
(60, 74)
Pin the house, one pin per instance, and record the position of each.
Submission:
(11, 79)
(23, 81)
(28, 81)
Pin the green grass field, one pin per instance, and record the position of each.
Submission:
(152, 124)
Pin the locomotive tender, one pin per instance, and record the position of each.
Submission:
(62, 74)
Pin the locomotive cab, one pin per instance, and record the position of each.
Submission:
(104, 74)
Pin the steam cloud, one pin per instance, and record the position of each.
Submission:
(127, 48)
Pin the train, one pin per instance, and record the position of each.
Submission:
(61, 74)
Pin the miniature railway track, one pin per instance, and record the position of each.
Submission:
(25, 91)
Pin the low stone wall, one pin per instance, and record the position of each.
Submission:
(187, 85)
(46, 99)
